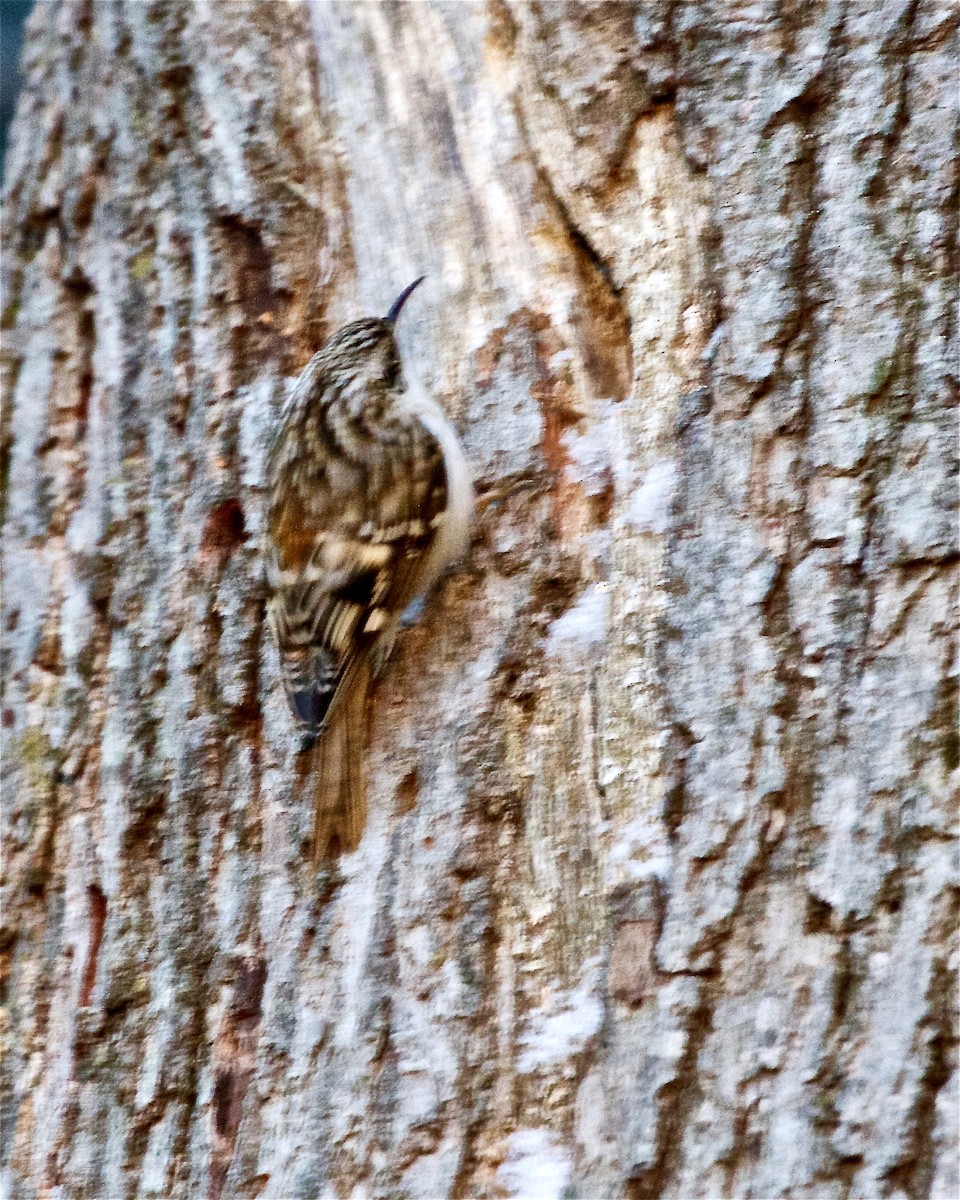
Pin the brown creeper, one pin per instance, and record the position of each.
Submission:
(370, 498)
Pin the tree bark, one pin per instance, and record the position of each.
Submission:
(657, 895)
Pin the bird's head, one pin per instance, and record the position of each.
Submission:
(365, 352)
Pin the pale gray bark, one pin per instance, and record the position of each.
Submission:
(658, 893)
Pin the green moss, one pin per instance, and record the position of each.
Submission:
(127, 988)
(882, 370)
(39, 762)
(140, 119)
(35, 750)
(141, 265)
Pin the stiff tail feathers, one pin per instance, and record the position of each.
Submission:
(339, 757)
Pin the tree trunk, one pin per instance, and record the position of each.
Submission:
(657, 891)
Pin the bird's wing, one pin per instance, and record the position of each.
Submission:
(345, 540)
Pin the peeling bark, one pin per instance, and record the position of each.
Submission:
(658, 894)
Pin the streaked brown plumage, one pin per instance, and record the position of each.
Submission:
(369, 499)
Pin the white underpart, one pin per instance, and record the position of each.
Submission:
(454, 530)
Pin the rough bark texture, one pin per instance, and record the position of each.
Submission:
(657, 894)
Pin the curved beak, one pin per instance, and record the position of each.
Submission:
(401, 300)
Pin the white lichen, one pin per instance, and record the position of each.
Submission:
(537, 1166)
(564, 1024)
(582, 627)
(649, 508)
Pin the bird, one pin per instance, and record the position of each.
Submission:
(369, 500)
